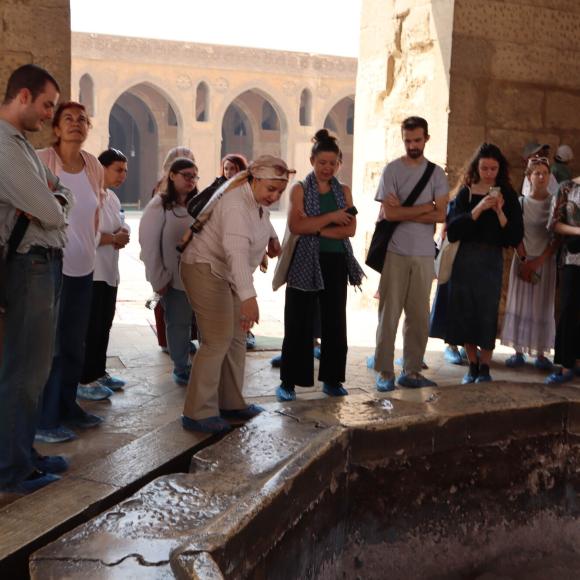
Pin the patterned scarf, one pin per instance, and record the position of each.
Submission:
(305, 272)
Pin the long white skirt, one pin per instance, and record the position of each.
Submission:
(529, 325)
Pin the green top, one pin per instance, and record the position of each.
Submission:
(327, 205)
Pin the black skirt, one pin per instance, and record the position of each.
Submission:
(474, 292)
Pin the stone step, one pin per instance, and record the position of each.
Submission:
(33, 521)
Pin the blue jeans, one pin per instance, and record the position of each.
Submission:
(178, 314)
(33, 288)
(60, 393)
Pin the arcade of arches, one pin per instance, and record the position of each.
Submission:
(507, 79)
(146, 96)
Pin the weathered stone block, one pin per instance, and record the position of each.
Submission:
(562, 110)
(467, 100)
(514, 107)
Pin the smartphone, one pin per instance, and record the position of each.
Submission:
(351, 210)
(494, 191)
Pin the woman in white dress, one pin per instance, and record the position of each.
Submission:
(529, 325)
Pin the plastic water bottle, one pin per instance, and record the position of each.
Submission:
(152, 302)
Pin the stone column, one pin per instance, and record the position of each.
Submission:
(36, 31)
(403, 70)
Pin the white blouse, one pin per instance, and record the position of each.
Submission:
(234, 240)
(107, 260)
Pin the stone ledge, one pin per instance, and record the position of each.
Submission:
(243, 493)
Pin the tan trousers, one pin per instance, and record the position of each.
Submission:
(405, 286)
(217, 374)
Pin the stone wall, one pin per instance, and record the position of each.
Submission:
(515, 77)
(36, 31)
(404, 62)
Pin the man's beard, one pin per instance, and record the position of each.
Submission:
(415, 153)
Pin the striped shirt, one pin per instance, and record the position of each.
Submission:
(24, 185)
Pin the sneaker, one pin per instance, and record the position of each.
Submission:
(317, 352)
(336, 390)
(543, 363)
(113, 383)
(483, 378)
(49, 463)
(559, 377)
(246, 414)
(276, 361)
(250, 341)
(86, 421)
(35, 481)
(371, 361)
(93, 392)
(385, 383)
(56, 435)
(469, 378)
(452, 355)
(214, 425)
(414, 381)
(181, 378)
(471, 375)
(285, 393)
(515, 360)
(401, 362)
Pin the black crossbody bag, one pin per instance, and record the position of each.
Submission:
(384, 229)
(6, 253)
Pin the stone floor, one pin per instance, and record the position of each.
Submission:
(151, 399)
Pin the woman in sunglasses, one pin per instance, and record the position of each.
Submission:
(164, 220)
(529, 325)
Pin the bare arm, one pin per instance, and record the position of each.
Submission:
(301, 224)
(566, 230)
(395, 212)
(341, 232)
(437, 213)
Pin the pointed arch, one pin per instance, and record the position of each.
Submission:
(305, 112)
(87, 93)
(202, 102)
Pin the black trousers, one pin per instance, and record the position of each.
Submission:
(568, 328)
(101, 320)
(299, 319)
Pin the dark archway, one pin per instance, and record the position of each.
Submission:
(252, 126)
(144, 125)
(340, 121)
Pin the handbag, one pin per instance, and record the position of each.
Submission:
(384, 229)
(444, 260)
(284, 259)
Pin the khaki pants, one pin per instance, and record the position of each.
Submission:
(217, 374)
(405, 286)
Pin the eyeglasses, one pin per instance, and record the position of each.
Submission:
(188, 176)
(539, 160)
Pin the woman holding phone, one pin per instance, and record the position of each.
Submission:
(485, 217)
(322, 213)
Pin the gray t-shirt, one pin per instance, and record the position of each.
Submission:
(411, 238)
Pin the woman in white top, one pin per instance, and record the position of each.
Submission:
(83, 175)
(529, 325)
(163, 223)
(96, 383)
(217, 271)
